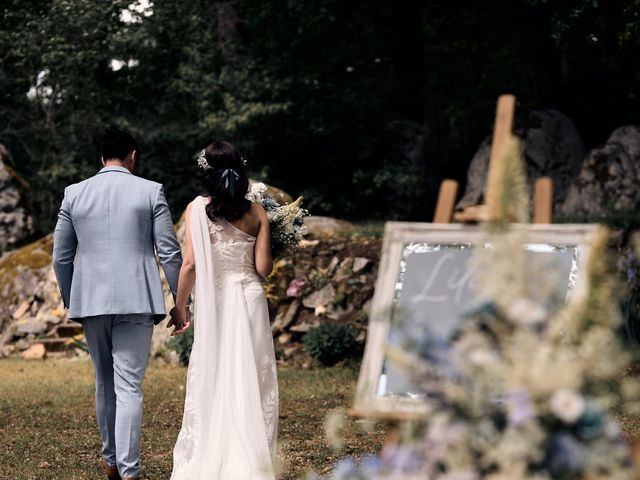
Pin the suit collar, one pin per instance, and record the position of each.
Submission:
(114, 169)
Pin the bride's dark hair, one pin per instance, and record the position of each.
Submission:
(226, 182)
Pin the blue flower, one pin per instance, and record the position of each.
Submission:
(591, 424)
(438, 353)
(482, 308)
(565, 454)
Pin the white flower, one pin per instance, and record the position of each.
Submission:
(482, 357)
(202, 161)
(256, 192)
(272, 215)
(567, 405)
(526, 312)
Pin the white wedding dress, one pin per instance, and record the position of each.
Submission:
(230, 423)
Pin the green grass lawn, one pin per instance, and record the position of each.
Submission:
(48, 428)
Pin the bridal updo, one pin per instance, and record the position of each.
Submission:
(225, 180)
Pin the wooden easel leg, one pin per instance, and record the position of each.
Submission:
(446, 201)
(502, 129)
(543, 200)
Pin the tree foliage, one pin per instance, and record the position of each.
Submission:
(363, 107)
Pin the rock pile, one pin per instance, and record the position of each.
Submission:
(16, 223)
(330, 278)
(32, 319)
(552, 147)
(609, 178)
(586, 186)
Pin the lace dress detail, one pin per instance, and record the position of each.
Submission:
(230, 424)
(269, 398)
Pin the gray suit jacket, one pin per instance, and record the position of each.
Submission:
(103, 248)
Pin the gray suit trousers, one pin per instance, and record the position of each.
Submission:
(119, 346)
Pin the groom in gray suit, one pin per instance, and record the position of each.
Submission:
(109, 229)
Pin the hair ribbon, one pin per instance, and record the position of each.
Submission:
(230, 183)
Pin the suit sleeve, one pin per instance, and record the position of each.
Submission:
(65, 244)
(166, 243)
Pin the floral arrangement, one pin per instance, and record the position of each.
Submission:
(537, 380)
(287, 221)
(628, 267)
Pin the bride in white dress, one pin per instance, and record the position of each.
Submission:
(230, 423)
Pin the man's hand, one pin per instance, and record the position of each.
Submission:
(181, 319)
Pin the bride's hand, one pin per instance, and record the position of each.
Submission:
(181, 319)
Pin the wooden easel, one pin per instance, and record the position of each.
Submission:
(543, 190)
(444, 213)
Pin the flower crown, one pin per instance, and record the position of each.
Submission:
(202, 161)
(203, 164)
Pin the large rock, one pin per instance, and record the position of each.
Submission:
(31, 325)
(28, 293)
(36, 351)
(318, 225)
(320, 298)
(552, 147)
(26, 274)
(16, 223)
(610, 177)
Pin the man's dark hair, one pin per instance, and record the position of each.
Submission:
(117, 143)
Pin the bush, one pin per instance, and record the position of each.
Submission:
(182, 344)
(330, 342)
